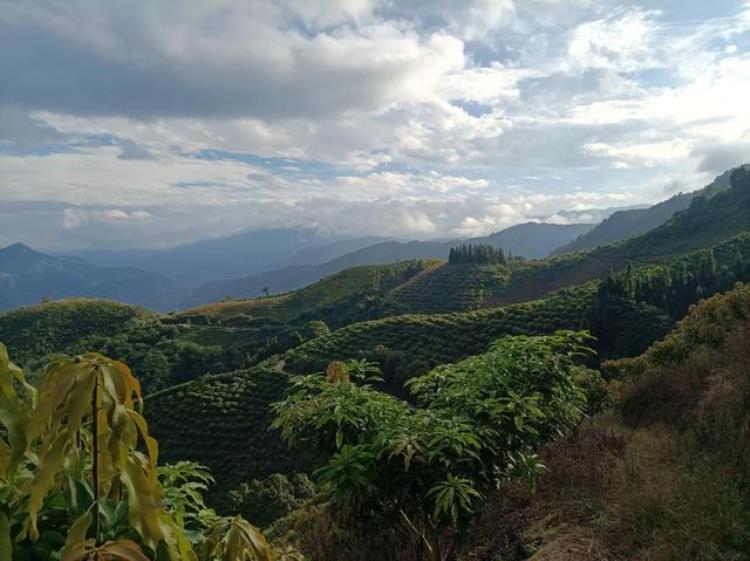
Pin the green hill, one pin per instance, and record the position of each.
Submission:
(715, 216)
(625, 224)
(35, 331)
(222, 421)
(338, 299)
(411, 344)
(627, 313)
(449, 287)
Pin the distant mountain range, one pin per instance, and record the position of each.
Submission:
(237, 255)
(245, 264)
(531, 240)
(27, 276)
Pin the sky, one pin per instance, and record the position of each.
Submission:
(153, 123)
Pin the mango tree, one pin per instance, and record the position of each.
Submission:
(429, 465)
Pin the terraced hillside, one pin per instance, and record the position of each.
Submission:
(411, 344)
(449, 287)
(636, 306)
(222, 421)
(35, 331)
(350, 295)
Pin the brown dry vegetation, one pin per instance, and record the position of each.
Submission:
(663, 476)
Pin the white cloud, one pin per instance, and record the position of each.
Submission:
(623, 41)
(408, 118)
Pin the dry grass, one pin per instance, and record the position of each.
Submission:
(663, 478)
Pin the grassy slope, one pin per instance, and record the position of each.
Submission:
(664, 476)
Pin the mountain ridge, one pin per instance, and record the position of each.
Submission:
(293, 277)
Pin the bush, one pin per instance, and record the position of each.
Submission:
(263, 501)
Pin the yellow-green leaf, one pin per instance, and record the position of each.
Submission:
(6, 547)
(77, 533)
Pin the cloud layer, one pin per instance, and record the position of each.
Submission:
(183, 119)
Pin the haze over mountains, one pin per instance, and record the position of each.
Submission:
(248, 264)
(27, 276)
(531, 240)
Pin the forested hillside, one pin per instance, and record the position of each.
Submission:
(715, 216)
(626, 224)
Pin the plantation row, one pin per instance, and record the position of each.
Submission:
(222, 421)
(449, 288)
(35, 331)
(413, 344)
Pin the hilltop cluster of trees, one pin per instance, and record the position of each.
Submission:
(480, 254)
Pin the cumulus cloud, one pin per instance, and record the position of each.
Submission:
(371, 116)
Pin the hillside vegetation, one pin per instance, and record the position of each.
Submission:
(449, 287)
(715, 216)
(35, 331)
(664, 475)
(627, 313)
(337, 299)
(625, 224)
(410, 344)
(223, 422)
(160, 354)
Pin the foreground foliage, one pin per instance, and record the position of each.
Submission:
(664, 476)
(78, 473)
(428, 469)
